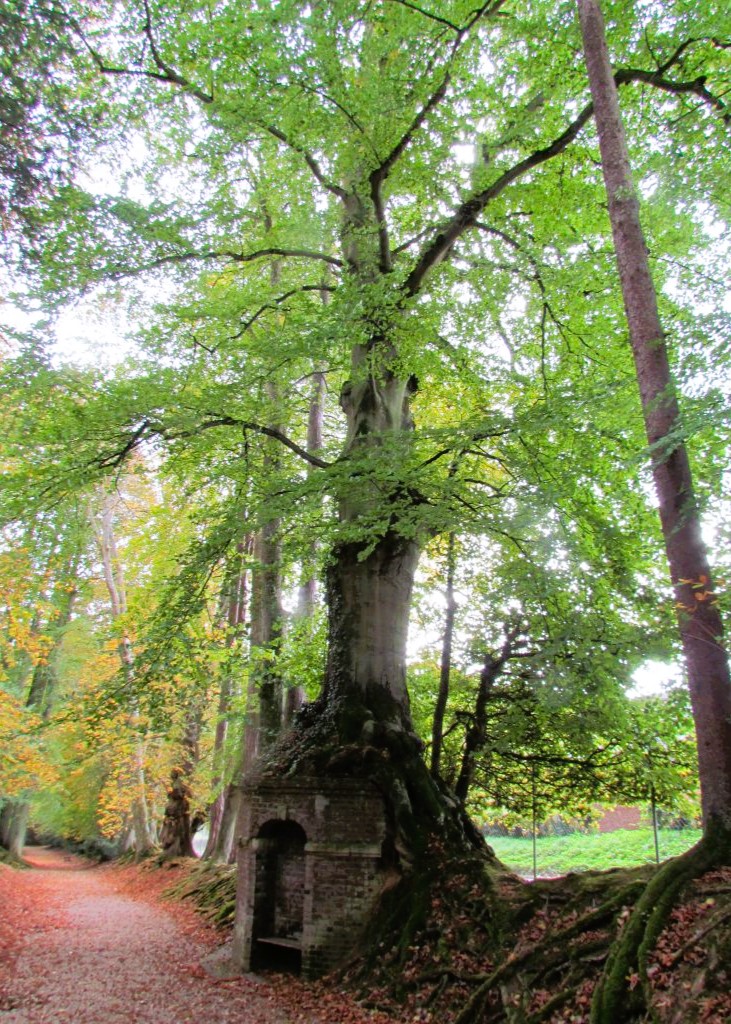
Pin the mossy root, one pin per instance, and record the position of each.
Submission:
(623, 990)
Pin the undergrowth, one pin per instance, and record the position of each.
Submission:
(211, 888)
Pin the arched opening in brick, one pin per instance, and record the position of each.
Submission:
(279, 896)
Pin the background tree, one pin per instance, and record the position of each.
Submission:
(700, 622)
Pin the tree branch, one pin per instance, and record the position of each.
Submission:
(467, 213)
(149, 429)
(313, 460)
(317, 91)
(697, 86)
(379, 175)
(330, 186)
(428, 14)
(257, 428)
(115, 459)
(165, 73)
(226, 254)
(279, 300)
(381, 172)
(411, 241)
(463, 446)
(676, 55)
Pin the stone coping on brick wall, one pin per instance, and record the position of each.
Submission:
(322, 849)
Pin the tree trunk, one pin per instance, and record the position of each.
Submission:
(476, 734)
(176, 832)
(440, 707)
(699, 619)
(223, 848)
(294, 696)
(266, 630)
(176, 836)
(369, 599)
(114, 579)
(44, 679)
(13, 826)
(236, 602)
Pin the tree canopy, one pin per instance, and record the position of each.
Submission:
(407, 200)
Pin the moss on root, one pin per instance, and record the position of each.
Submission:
(211, 888)
(9, 859)
(623, 991)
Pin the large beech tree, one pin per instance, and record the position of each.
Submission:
(431, 169)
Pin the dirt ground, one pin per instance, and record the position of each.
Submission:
(86, 945)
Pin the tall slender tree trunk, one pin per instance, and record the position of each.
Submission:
(45, 678)
(245, 750)
(699, 619)
(294, 696)
(236, 603)
(264, 697)
(266, 631)
(114, 579)
(476, 733)
(445, 668)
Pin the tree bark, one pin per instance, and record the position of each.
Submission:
(440, 707)
(294, 696)
(236, 602)
(369, 599)
(699, 619)
(13, 826)
(114, 579)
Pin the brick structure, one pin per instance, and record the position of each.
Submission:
(310, 864)
(620, 817)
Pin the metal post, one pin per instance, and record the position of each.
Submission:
(535, 852)
(653, 805)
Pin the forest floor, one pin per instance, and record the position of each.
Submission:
(80, 944)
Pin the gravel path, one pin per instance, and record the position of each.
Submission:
(77, 947)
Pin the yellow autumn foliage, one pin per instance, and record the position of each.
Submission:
(23, 766)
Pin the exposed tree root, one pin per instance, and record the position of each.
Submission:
(6, 857)
(456, 940)
(623, 992)
(550, 953)
(538, 953)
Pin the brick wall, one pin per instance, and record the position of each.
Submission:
(329, 881)
(620, 817)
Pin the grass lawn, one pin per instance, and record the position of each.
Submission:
(557, 855)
